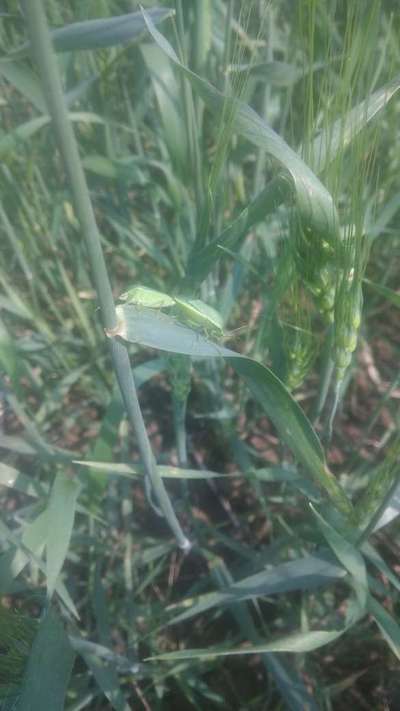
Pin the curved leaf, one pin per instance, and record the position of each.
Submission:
(49, 668)
(387, 624)
(346, 128)
(167, 92)
(348, 555)
(14, 479)
(202, 260)
(169, 472)
(107, 679)
(277, 73)
(389, 294)
(104, 32)
(157, 330)
(296, 643)
(9, 141)
(25, 81)
(27, 550)
(315, 203)
(305, 573)
(60, 515)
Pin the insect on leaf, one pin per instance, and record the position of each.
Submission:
(149, 298)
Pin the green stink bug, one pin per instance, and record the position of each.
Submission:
(144, 296)
(200, 315)
(190, 312)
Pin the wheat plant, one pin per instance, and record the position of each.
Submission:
(200, 210)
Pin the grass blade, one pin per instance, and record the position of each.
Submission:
(305, 573)
(49, 668)
(295, 644)
(61, 514)
(99, 33)
(387, 625)
(25, 81)
(315, 203)
(169, 472)
(344, 130)
(348, 555)
(389, 294)
(107, 679)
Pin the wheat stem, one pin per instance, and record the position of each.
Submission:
(48, 69)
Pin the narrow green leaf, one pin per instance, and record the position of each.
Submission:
(35, 534)
(348, 555)
(25, 81)
(61, 513)
(387, 624)
(287, 678)
(296, 643)
(346, 128)
(314, 201)
(107, 680)
(121, 663)
(104, 672)
(202, 261)
(34, 538)
(13, 443)
(276, 73)
(14, 479)
(167, 91)
(295, 692)
(106, 438)
(381, 489)
(121, 469)
(305, 573)
(170, 472)
(376, 559)
(9, 141)
(49, 668)
(27, 550)
(17, 633)
(99, 33)
(101, 165)
(289, 475)
(392, 510)
(12, 562)
(389, 294)
(23, 550)
(292, 425)
(11, 361)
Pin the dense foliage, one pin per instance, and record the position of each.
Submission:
(219, 530)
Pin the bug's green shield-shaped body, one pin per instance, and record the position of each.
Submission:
(192, 312)
(149, 298)
(200, 315)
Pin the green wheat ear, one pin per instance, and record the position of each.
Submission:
(314, 257)
(348, 307)
(16, 637)
(349, 300)
(299, 342)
